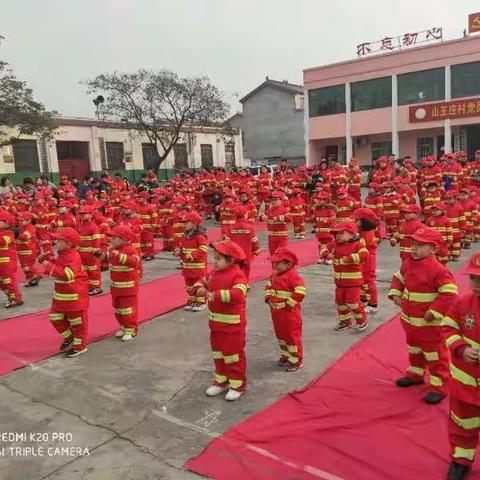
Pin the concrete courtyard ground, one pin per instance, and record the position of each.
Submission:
(140, 408)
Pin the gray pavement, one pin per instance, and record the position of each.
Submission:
(140, 408)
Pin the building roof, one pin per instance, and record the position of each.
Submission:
(283, 85)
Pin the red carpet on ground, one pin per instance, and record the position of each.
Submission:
(27, 339)
(350, 423)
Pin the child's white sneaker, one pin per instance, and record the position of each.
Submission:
(188, 307)
(198, 307)
(370, 309)
(127, 337)
(329, 262)
(120, 333)
(215, 391)
(233, 395)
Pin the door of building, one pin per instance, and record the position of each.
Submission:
(331, 152)
(473, 140)
(73, 159)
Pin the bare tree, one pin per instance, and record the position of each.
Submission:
(158, 104)
(20, 113)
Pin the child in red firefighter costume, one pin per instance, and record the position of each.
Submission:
(227, 210)
(424, 289)
(348, 252)
(354, 179)
(149, 217)
(441, 223)
(27, 249)
(277, 217)
(65, 217)
(462, 333)
(165, 228)
(124, 265)
(297, 213)
(410, 224)
(242, 232)
(193, 253)
(468, 207)
(68, 313)
(392, 204)
(324, 217)
(227, 292)
(367, 223)
(346, 205)
(8, 261)
(284, 292)
(90, 243)
(455, 213)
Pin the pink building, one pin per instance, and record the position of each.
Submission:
(418, 101)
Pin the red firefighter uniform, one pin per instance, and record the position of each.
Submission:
(468, 208)
(324, 217)
(124, 266)
(401, 236)
(27, 249)
(425, 285)
(453, 170)
(227, 211)
(284, 292)
(90, 242)
(456, 215)
(374, 200)
(64, 220)
(193, 253)
(433, 194)
(441, 223)
(297, 214)
(8, 262)
(462, 331)
(42, 224)
(180, 209)
(382, 173)
(354, 179)
(149, 217)
(243, 233)
(431, 173)
(347, 267)
(346, 205)
(68, 313)
(391, 208)
(165, 227)
(227, 289)
(278, 218)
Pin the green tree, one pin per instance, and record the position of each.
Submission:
(158, 104)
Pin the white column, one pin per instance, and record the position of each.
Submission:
(306, 127)
(348, 123)
(395, 138)
(447, 127)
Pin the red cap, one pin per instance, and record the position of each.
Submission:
(284, 254)
(322, 196)
(241, 211)
(129, 205)
(427, 235)
(68, 234)
(193, 217)
(374, 185)
(65, 203)
(25, 216)
(381, 160)
(473, 267)
(440, 206)
(86, 209)
(7, 217)
(451, 194)
(412, 209)
(122, 231)
(64, 177)
(229, 193)
(367, 214)
(346, 226)
(277, 194)
(229, 249)
(143, 194)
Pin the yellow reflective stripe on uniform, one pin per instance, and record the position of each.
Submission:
(291, 302)
(75, 321)
(348, 275)
(231, 358)
(124, 311)
(120, 268)
(66, 333)
(431, 356)
(65, 296)
(188, 250)
(55, 317)
(451, 339)
(394, 293)
(4, 259)
(225, 296)
(301, 290)
(466, 423)
(217, 355)
(450, 322)
(278, 305)
(204, 248)
(355, 258)
(418, 321)
(467, 453)
(122, 258)
(462, 376)
(69, 273)
(223, 317)
(269, 293)
(399, 276)
(7, 239)
(235, 383)
(281, 294)
(414, 350)
(427, 297)
(436, 381)
(292, 348)
(24, 252)
(123, 284)
(416, 370)
(242, 287)
(77, 341)
(193, 265)
(220, 378)
(448, 288)
(471, 342)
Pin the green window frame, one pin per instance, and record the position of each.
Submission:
(465, 79)
(420, 87)
(370, 94)
(326, 101)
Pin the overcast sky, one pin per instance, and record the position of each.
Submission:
(53, 44)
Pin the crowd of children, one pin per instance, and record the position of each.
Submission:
(431, 213)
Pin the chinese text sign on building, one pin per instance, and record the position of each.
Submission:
(442, 110)
(474, 23)
(403, 41)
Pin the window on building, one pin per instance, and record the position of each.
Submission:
(180, 156)
(229, 155)
(424, 147)
(25, 156)
(465, 79)
(115, 155)
(299, 101)
(419, 87)
(378, 149)
(326, 101)
(207, 155)
(149, 154)
(369, 94)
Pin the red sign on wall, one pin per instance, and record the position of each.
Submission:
(443, 110)
(474, 23)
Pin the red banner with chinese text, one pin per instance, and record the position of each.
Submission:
(474, 23)
(431, 112)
